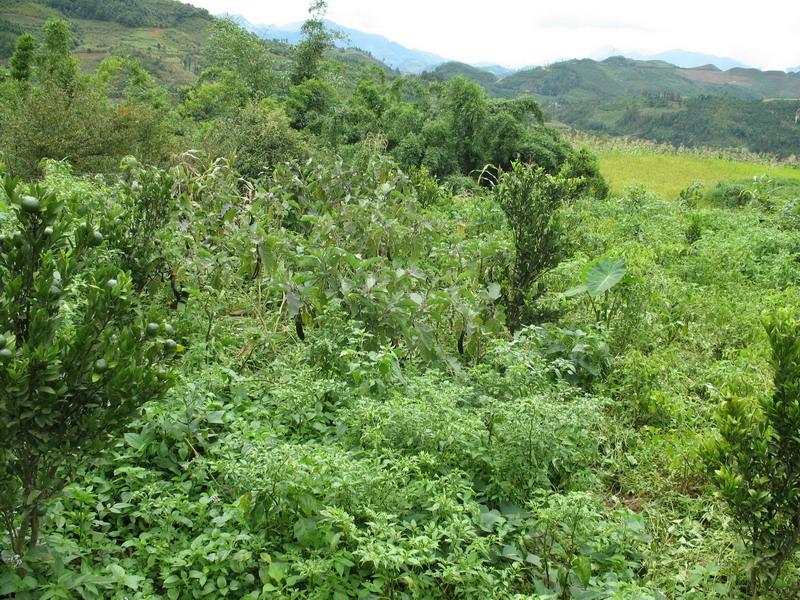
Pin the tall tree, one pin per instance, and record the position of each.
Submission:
(22, 60)
(466, 110)
(317, 38)
(233, 49)
(54, 60)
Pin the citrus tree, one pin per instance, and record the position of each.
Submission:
(76, 358)
(754, 461)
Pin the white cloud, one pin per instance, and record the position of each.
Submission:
(520, 32)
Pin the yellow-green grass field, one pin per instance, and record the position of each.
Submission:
(667, 175)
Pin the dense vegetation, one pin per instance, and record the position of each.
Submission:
(132, 13)
(336, 334)
(653, 100)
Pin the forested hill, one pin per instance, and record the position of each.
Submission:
(617, 77)
(702, 106)
(655, 100)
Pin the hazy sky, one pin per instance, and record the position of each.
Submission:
(515, 33)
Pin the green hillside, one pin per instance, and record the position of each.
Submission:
(168, 37)
(618, 77)
(165, 35)
(615, 77)
(658, 101)
(452, 69)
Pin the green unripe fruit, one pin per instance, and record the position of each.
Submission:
(168, 328)
(97, 237)
(101, 365)
(3, 342)
(152, 329)
(48, 231)
(29, 204)
(171, 345)
(6, 354)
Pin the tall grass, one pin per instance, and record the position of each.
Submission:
(667, 175)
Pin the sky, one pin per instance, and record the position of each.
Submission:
(517, 33)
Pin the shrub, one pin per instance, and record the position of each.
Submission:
(754, 462)
(256, 138)
(728, 194)
(530, 200)
(75, 362)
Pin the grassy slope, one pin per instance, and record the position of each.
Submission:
(667, 175)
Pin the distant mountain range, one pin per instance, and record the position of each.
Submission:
(408, 60)
(592, 81)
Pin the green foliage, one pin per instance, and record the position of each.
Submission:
(753, 462)
(138, 231)
(352, 417)
(216, 93)
(9, 33)
(75, 362)
(580, 357)
(316, 39)
(22, 60)
(601, 288)
(465, 112)
(309, 103)
(583, 165)
(530, 200)
(54, 60)
(135, 13)
(231, 48)
(93, 122)
(257, 138)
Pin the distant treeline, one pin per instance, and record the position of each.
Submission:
(132, 13)
(765, 127)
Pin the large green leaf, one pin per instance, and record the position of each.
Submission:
(604, 275)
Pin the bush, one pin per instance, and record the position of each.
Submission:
(753, 462)
(728, 194)
(75, 361)
(256, 138)
(531, 199)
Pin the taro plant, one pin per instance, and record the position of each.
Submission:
(75, 360)
(754, 461)
(601, 289)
